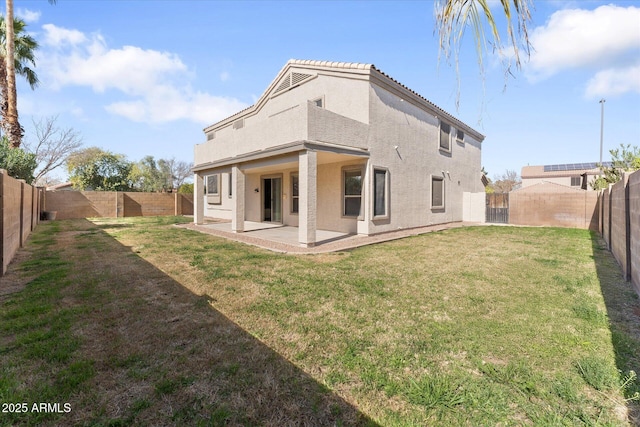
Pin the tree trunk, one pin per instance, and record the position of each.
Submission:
(11, 125)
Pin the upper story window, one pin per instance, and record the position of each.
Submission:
(445, 136)
(460, 136)
(576, 181)
(211, 135)
(238, 124)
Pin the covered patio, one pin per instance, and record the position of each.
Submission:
(256, 183)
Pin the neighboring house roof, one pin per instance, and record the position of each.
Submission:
(61, 186)
(569, 169)
(370, 70)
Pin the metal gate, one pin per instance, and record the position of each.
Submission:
(498, 208)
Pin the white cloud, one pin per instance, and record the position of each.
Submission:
(28, 16)
(614, 82)
(605, 40)
(157, 81)
(56, 36)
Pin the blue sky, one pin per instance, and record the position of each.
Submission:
(145, 77)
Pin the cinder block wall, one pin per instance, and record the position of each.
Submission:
(605, 199)
(81, 204)
(89, 204)
(619, 225)
(554, 207)
(149, 204)
(634, 216)
(18, 217)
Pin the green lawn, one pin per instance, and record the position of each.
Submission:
(136, 321)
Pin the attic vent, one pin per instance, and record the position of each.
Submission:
(284, 85)
(292, 80)
(238, 124)
(211, 136)
(298, 77)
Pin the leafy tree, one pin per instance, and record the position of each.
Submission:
(96, 169)
(16, 161)
(52, 147)
(186, 189)
(623, 159)
(17, 52)
(146, 176)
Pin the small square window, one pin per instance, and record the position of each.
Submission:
(318, 102)
(576, 181)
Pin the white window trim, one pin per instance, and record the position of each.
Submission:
(345, 169)
(387, 205)
(213, 194)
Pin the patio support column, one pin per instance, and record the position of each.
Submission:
(307, 206)
(237, 209)
(198, 199)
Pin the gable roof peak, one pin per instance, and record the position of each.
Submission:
(331, 64)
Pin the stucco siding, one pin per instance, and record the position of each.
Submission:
(415, 133)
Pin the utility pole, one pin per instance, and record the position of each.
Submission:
(602, 101)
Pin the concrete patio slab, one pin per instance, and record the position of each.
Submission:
(279, 238)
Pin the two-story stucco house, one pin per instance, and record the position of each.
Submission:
(340, 147)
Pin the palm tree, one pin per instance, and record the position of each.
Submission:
(453, 17)
(16, 54)
(23, 53)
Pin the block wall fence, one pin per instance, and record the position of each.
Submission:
(20, 206)
(620, 224)
(115, 204)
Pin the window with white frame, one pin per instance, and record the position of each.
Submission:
(213, 185)
(445, 136)
(352, 192)
(295, 193)
(380, 192)
(213, 189)
(437, 192)
(460, 136)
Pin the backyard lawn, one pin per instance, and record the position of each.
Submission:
(137, 321)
